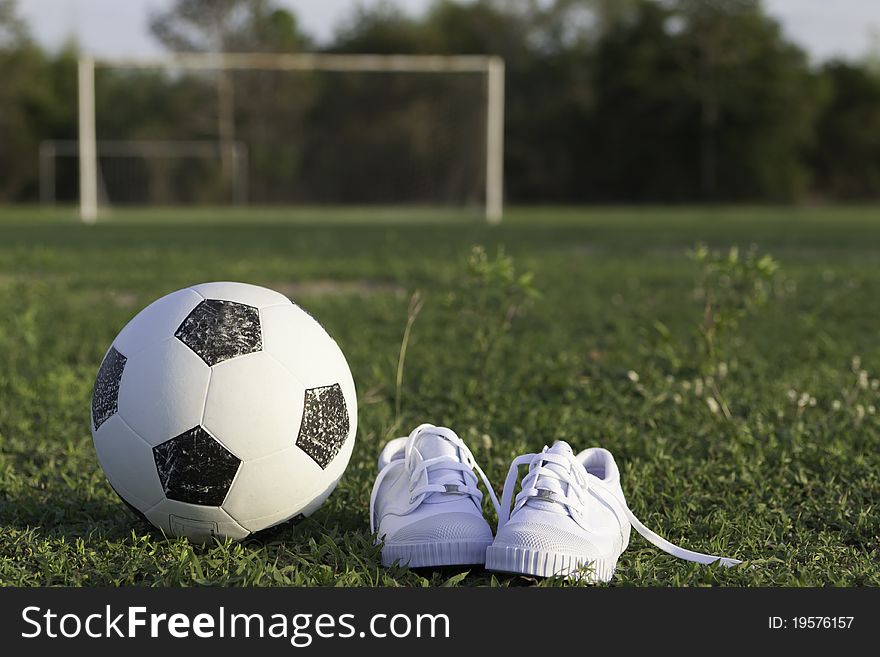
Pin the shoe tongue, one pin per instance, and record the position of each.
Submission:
(432, 445)
(559, 447)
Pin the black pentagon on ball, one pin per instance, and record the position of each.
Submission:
(105, 397)
(325, 424)
(218, 330)
(193, 467)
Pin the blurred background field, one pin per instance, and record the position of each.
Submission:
(617, 101)
(686, 272)
(767, 451)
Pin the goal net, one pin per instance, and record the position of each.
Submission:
(149, 172)
(334, 130)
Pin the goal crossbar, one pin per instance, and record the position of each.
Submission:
(491, 66)
(310, 62)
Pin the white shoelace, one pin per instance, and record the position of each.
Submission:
(420, 485)
(568, 485)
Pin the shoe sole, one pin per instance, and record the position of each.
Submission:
(423, 555)
(541, 563)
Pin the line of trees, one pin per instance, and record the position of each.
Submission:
(607, 100)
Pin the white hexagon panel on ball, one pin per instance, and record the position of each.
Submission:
(162, 392)
(252, 406)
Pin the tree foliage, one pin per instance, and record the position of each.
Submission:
(846, 155)
(228, 26)
(607, 101)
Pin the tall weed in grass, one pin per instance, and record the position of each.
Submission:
(487, 302)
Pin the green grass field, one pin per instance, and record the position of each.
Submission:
(767, 450)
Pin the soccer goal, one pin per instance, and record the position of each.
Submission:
(314, 129)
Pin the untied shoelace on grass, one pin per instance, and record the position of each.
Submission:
(546, 482)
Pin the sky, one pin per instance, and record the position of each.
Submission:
(106, 28)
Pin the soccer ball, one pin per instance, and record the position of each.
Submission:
(223, 409)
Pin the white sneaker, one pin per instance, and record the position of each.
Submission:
(426, 503)
(570, 518)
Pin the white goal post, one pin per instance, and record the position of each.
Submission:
(491, 67)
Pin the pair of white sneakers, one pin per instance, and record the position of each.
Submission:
(569, 519)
